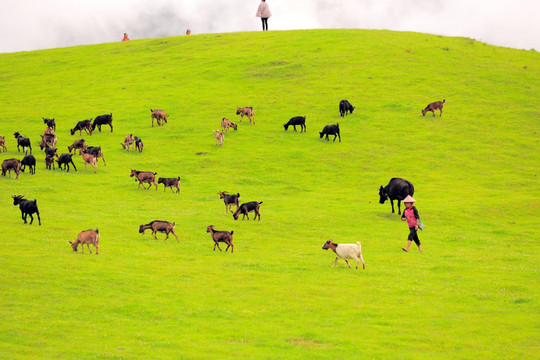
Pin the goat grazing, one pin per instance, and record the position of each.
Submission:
(246, 208)
(48, 140)
(28, 207)
(346, 251)
(77, 144)
(128, 141)
(226, 124)
(161, 226)
(9, 165)
(246, 111)
(297, 120)
(145, 177)
(437, 105)
(221, 236)
(102, 120)
(30, 161)
(160, 116)
(65, 159)
(229, 200)
(219, 137)
(330, 130)
(3, 143)
(22, 141)
(170, 182)
(85, 125)
(87, 237)
(345, 107)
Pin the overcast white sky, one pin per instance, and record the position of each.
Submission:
(41, 24)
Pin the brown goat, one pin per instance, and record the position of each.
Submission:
(160, 116)
(229, 200)
(437, 105)
(87, 237)
(247, 111)
(161, 226)
(9, 165)
(48, 131)
(221, 236)
(3, 143)
(226, 124)
(128, 140)
(77, 144)
(49, 140)
(90, 159)
(49, 162)
(144, 177)
(219, 137)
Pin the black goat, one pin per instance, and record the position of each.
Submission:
(297, 120)
(27, 207)
(65, 159)
(344, 107)
(51, 124)
(22, 141)
(331, 130)
(170, 182)
(30, 161)
(102, 120)
(229, 200)
(94, 150)
(246, 208)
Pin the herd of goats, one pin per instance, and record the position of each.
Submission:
(397, 188)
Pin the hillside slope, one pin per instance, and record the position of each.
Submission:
(472, 294)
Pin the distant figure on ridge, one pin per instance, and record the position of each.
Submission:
(125, 37)
(188, 32)
(264, 13)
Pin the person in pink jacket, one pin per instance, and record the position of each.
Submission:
(264, 13)
(125, 38)
(410, 214)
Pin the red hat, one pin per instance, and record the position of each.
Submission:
(409, 199)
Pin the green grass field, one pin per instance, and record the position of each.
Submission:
(472, 294)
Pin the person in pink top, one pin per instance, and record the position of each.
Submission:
(410, 214)
(264, 13)
(125, 37)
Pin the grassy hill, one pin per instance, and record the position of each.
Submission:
(472, 294)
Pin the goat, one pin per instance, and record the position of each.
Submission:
(229, 200)
(246, 208)
(128, 140)
(48, 140)
(85, 125)
(48, 131)
(102, 120)
(170, 182)
(3, 143)
(330, 130)
(145, 177)
(247, 111)
(22, 141)
(28, 207)
(139, 144)
(77, 144)
(437, 105)
(9, 165)
(161, 226)
(49, 151)
(345, 107)
(346, 251)
(50, 123)
(87, 237)
(297, 120)
(226, 124)
(94, 150)
(65, 159)
(219, 137)
(49, 162)
(90, 159)
(221, 236)
(160, 116)
(30, 161)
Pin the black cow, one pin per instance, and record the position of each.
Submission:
(297, 120)
(22, 141)
(27, 207)
(344, 107)
(65, 159)
(397, 189)
(331, 130)
(30, 161)
(102, 120)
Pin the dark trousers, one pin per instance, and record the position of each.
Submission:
(413, 236)
(265, 23)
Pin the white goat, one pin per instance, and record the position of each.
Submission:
(346, 251)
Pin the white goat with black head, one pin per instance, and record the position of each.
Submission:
(346, 251)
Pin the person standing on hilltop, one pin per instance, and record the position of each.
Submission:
(125, 37)
(264, 13)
